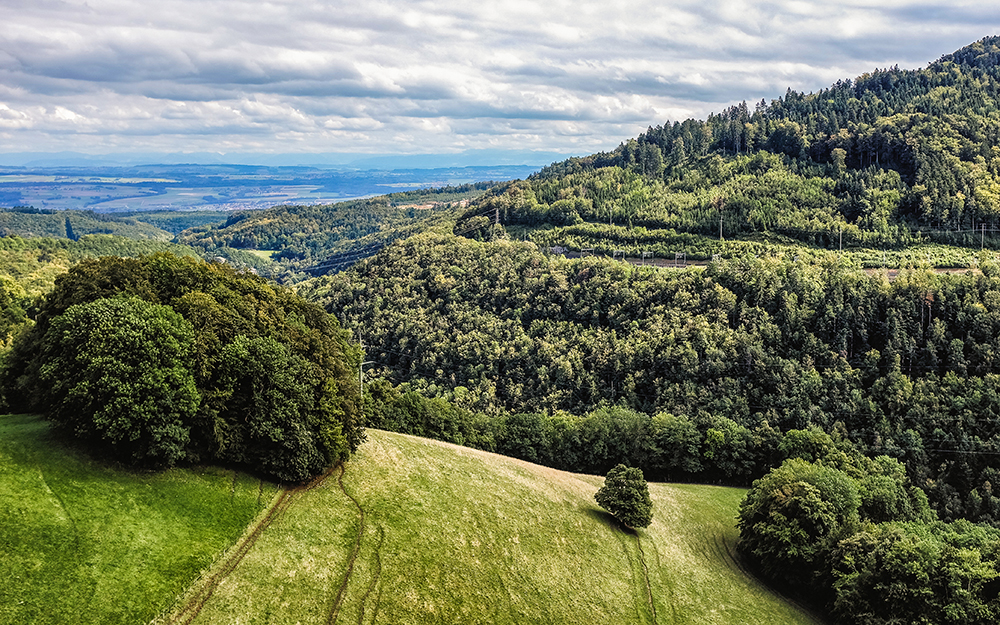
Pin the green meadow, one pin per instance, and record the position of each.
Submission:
(411, 531)
(428, 532)
(81, 542)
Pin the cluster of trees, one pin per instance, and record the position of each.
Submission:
(664, 446)
(734, 197)
(853, 535)
(744, 347)
(877, 160)
(160, 360)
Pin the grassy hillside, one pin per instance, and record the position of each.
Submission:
(454, 535)
(84, 543)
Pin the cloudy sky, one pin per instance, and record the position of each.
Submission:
(435, 76)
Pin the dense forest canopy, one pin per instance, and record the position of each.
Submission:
(908, 368)
(160, 359)
(884, 160)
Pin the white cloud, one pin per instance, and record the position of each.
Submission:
(429, 75)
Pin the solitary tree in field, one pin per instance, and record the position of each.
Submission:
(625, 495)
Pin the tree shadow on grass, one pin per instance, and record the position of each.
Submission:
(603, 516)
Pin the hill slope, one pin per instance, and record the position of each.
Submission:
(889, 158)
(84, 543)
(453, 535)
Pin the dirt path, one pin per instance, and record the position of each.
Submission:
(197, 599)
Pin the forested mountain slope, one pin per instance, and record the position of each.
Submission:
(891, 157)
(73, 224)
(749, 348)
(325, 238)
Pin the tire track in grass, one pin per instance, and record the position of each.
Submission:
(375, 579)
(671, 585)
(335, 610)
(206, 589)
(645, 573)
(618, 533)
(622, 530)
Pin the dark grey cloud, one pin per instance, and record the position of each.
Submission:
(430, 75)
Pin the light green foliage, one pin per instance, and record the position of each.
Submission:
(117, 375)
(625, 495)
(73, 224)
(300, 237)
(84, 543)
(13, 301)
(36, 262)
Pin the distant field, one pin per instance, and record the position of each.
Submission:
(453, 535)
(84, 543)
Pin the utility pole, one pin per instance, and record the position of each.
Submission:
(718, 203)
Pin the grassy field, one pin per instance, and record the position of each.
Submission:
(84, 543)
(419, 531)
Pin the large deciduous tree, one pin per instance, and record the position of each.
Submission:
(118, 376)
(793, 516)
(625, 495)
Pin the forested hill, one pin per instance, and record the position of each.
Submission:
(880, 160)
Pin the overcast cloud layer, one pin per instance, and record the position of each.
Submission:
(317, 76)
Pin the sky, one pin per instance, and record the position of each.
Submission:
(307, 77)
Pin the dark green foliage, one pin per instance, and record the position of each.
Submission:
(117, 376)
(523, 436)
(793, 516)
(625, 495)
(275, 374)
(757, 360)
(916, 573)
(856, 542)
(267, 401)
